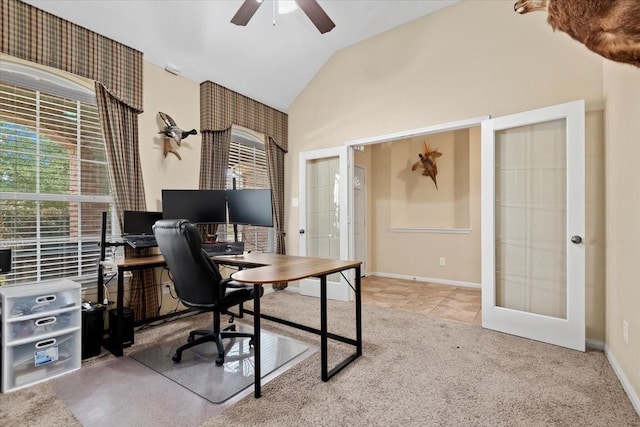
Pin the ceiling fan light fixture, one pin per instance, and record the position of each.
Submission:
(311, 8)
(286, 6)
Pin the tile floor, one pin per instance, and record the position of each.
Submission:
(432, 299)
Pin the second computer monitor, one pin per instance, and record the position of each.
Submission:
(198, 206)
(250, 207)
(139, 222)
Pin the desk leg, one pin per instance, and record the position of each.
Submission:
(323, 328)
(100, 282)
(358, 313)
(256, 340)
(116, 342)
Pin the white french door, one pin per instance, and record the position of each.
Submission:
(533, 250)
(323, 208)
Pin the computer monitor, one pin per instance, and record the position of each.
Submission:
(139, 222)
(5, 260)
(198, 206)
(250, 207)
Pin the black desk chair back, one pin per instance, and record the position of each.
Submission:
(198, 283)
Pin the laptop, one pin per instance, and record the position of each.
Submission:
(137, 228)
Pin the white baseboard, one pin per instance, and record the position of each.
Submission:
(626, 385)
(427, 279)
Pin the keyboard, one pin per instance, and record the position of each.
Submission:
(223, 248)
(143, 241)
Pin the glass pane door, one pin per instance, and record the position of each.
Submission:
(323, 215)
(530, 218)
(323, 209)
(533, 251)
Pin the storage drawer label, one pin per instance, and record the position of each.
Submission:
(42, 357)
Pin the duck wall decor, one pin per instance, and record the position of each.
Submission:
(173, 132)
(610, 28)
(427, 162)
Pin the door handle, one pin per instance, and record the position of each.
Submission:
(301, 231)
(576, 239)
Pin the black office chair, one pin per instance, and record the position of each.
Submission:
(198, 283)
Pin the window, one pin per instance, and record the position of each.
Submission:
(247, 169)
(54, 182)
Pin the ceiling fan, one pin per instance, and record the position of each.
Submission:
(311, 8)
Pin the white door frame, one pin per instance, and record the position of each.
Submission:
(443, 127)
(363, 218)
(569, 332)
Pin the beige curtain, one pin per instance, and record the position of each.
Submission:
(40, 37)
(120, 128)
(35, 35)
(220, 108)
(213, 166)
(275, 165)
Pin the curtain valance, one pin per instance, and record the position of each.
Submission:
(35, 35)
(221, 107)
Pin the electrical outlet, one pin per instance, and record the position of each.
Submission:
(443, 261)
(625, 331)
(166, 289)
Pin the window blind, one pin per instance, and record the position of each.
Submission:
(54, 184)
(247, 168)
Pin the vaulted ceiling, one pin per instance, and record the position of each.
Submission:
(269, 62)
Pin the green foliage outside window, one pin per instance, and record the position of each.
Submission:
(19, 156)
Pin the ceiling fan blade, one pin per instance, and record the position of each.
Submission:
(316, 14)
(246, 12)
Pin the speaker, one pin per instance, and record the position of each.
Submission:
(127, 325)
(5, 260)
(92, 330)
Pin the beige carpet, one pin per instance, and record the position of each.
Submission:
(415, 371)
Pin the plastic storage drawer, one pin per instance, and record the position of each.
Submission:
(43, 324)
(43, 359)
(41, 332)
(43, 302)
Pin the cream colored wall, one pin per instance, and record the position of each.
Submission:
(180, 98)
(469, 60)
(419, 203)
(417, 254)
(622, 92)
(595, 226)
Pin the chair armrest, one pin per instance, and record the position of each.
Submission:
(229, 283)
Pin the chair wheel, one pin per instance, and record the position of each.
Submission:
(176, 357)
(220, 361)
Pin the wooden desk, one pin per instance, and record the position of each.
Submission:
(258, 269)
(124, 264)
(270, 268)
